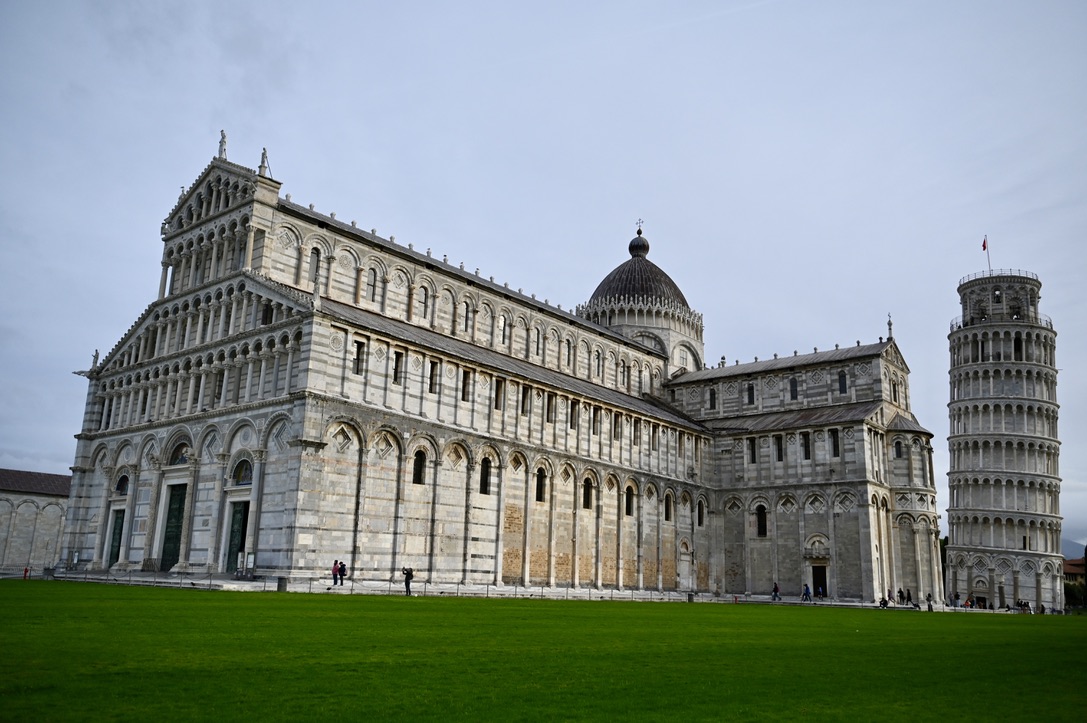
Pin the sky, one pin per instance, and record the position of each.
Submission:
(802, 169)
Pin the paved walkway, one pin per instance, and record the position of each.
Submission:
(205, 581)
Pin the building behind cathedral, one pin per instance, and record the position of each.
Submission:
(303, 390)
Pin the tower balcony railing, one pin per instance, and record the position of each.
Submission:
(998, 272)
(961, 322)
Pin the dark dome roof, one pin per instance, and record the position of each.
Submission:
(639, 277)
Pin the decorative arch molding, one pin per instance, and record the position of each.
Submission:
(385, 441)
(343, 433)
(320, 242)
(425, 442)
(278, 426)
(457, 454)
(349, 259)
(233, 434)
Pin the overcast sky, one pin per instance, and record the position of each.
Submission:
(803, 168)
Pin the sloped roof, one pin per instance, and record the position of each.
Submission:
(772, 421)
(786, 362)
(906, 423)
(37, 483)
(455, 348)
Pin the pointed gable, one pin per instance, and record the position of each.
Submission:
(221, 186)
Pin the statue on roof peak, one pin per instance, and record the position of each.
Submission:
(222, 145)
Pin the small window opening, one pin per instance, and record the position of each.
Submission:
(418, 469)
(541, 485)
(485, 476)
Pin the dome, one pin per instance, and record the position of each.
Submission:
(639, 277)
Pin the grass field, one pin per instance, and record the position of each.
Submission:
(85, 651)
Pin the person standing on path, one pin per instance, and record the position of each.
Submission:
(335, 572)
(777, 593)
(343, 571)
(408, 575)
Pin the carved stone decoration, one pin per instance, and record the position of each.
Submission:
(771, 383)
(816, 377)
(416, 363)
(864, 369)
(345, 262)
(336, 342)
(379, 353)
(820, 435)
(849, 433)
(730, 388)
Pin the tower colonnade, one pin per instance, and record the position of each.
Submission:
(1004, 476)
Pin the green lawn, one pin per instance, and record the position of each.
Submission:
(87, 651)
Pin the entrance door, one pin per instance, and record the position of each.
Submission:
(115, 542)
(819, 580)
(239, 521)
(684, 572)
(175, 515)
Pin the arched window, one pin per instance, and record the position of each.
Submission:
(713, 399)
(628, 502)
(701, 513)
(418, 469)
(668, 507)
(569, 352)
(894, 392)
(314, 264)
(503, 330)
(599, 364)
(423, 302)
(898, 448)
(541, 485)
(371, 285)
(760, 520)
(587, 494)
(485, 476)
(122, 485)
(467, 316)
(841, 383)
(792, 389)
(750, 393)
(243, 473)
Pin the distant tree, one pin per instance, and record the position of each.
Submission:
(1075, 595)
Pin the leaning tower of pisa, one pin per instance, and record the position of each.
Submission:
(1004, 480)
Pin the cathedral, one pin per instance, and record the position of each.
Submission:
(303, 390)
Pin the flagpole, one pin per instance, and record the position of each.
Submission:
(985, 245)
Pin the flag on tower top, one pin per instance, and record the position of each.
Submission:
(985, 243)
